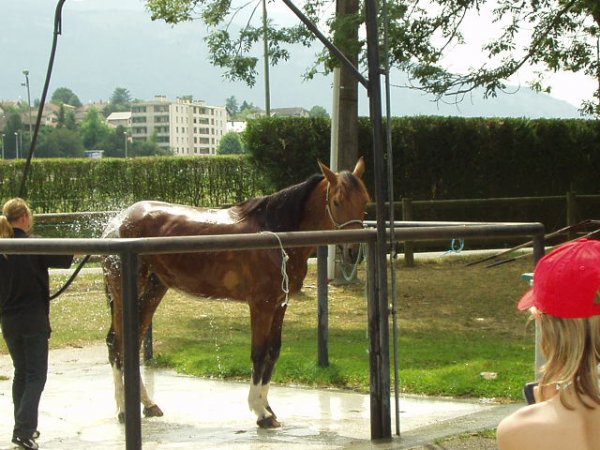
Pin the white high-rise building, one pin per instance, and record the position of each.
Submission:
(185, 126)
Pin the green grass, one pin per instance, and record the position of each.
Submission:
(455, 323)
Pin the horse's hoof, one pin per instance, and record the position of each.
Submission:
(268, 422)
(153, 411)
(121, 417)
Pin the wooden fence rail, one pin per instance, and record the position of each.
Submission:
(571, 204)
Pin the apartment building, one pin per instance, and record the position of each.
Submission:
(185, 126)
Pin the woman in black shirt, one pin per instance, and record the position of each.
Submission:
(25, 321)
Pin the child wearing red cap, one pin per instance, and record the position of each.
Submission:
(565, 301)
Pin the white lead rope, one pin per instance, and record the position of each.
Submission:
(285, 281)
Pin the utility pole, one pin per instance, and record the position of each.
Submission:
(26, 84)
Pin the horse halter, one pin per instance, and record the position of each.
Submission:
(339, 226)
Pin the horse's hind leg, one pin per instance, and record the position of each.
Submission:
(152, 292)
(149, 300)
(112, 283)
(266, 345)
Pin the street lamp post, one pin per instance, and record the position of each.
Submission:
(125, 134)
(16, 145)
(3, 145)
(26, 73)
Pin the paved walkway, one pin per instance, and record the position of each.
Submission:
(77, 411)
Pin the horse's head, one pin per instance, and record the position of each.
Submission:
(345, 201)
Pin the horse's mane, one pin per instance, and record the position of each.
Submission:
(281, 211)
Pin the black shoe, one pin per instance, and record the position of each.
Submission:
(35, 435)
(26, 443)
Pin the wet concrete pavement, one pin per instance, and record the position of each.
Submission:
(78, 412)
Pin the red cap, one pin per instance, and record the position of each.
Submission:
(566, 282)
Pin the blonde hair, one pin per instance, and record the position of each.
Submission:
(6, 231)
(12, 211)
(572, 351)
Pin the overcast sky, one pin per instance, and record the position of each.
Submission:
(113, 43)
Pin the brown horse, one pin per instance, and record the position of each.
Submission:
(323, 202)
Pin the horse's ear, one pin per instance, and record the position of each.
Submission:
(329, 174)
(359, 169)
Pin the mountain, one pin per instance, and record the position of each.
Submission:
(113, 43)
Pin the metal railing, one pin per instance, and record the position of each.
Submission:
(378, 310)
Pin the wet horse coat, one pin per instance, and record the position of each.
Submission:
(327, 201)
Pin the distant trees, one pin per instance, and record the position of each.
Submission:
(65, 119)
(318, 112)
(65, 95)
(230, 144)
(241, 112)
(13, 125)
(59, 143)
(93, 129)
(119, 101)
(148, 148)
(231, 105)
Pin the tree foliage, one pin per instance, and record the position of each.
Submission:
(230, 144)
(65, 118)
(93, 129)
(318, 111)
(119, 101)
(230, 46)
(59, 143)
(231, 105)
(545, 35)
(13, 125)
(65, 95)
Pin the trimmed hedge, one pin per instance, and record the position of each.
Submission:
(286, 149)
(434, 158)
(73, 185)
(445, 157)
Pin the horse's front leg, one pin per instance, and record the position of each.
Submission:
(151, 409)
(152, 293)
(266, 345)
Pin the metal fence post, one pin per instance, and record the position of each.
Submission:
(131, 357)
(323, 307)
(378, 349)
(538, 253)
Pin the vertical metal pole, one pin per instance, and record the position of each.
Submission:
(538, 253)
(376, 352)
(26, 73)
(333, 155)
(323, 308)
(131, 363)
(384, 428)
